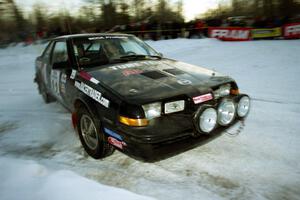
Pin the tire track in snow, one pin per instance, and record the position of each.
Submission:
(275, 101)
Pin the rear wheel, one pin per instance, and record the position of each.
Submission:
(91, 135)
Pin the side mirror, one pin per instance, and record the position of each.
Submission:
(60, 65)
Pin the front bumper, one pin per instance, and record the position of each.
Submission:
(151, 152)
(168, 136)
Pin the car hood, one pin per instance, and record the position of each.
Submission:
(146, 81)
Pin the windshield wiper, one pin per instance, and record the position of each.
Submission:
(118, 60)
(158, 57)
(139, 56)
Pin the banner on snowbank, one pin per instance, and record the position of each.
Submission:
(266, 33)
(291, 31)
(288, 31)
(230, 33)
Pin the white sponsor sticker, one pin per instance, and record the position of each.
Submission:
(125, 66)
(184, 82)
(55, 76)
(107, 37)
(93, 80)
(63, 81)
(73, 74)
(91, 92)
(131, 65)
(63, 78)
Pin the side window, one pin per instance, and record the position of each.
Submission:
(60, 53)
(46, 54)
(94, 47)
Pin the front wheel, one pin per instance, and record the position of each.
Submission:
(91, 135)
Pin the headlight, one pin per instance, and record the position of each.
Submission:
(226, 112)
(152, 110)
(223, 91)
(208, 120)
(174, 106)
(243, 106)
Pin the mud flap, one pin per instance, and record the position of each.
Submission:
(74, 120)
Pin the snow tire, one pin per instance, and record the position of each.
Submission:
(101, 148)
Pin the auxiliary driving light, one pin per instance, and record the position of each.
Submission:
(226, 112)
(208, 120)
(243, 106)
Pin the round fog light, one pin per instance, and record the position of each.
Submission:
(243, 106)
(208, 120)
(226, 112)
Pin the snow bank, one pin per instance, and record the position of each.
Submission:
(27, 180)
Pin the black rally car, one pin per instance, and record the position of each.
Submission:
(125, 95)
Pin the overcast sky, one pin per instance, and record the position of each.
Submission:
(192, 8)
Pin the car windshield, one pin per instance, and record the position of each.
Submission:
(101, 50)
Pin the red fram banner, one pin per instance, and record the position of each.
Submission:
(230, 33)
(291, 31)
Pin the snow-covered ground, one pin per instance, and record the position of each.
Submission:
(27, 180)
(41, 156)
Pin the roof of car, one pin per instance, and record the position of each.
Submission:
(90, 35)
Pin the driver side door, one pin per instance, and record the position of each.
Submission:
(60, 68)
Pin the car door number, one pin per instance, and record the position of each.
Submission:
(55, 82)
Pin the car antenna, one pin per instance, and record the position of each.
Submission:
(70, 31)
(66, 18)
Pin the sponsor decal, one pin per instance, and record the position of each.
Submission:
(54, 78)
(131, 65)
(73, 74)
(292, 31)
(125, 66)
(184, 82)
(266, 32)
(63, 80)
(113, 134)
(94, 94)
(128, 72)
(88, 77)
(202, 98)
(133, 91)
(93, 80)
(85, 75)
(116, 142)
(230, 34)
(107, 37)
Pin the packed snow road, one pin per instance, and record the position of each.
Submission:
(261, 162)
